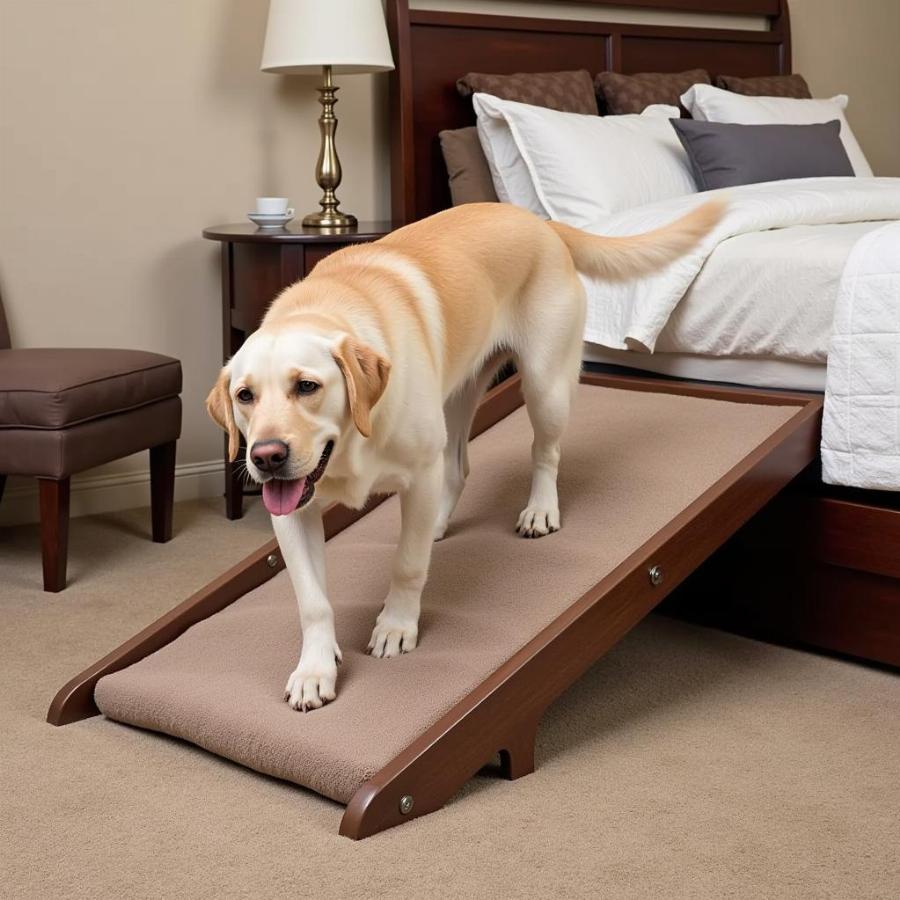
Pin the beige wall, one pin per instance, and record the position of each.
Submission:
(853, 47)
(125, 128)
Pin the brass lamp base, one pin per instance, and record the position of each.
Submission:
(328, 166)
(329, 219)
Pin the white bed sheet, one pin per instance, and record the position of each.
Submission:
(743, 370)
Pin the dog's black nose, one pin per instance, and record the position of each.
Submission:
(269, 456)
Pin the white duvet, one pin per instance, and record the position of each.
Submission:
(631, 316)
(766, 295)
(862, 444)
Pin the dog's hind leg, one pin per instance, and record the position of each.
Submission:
(459, 410)
(549, 362)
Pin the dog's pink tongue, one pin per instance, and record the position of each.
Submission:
(281, 496)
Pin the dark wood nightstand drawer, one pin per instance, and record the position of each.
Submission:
(259, 272)
(312, 255)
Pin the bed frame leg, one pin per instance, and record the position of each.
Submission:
(517, 757)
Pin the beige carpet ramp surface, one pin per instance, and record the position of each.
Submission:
(631, 462)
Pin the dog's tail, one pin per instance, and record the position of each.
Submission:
(618, 258)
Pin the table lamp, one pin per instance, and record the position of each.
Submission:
(305, 37)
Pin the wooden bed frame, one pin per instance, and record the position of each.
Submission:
(833, 583)
(433, 49)
(502, 713)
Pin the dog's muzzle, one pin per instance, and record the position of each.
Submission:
(281, 496)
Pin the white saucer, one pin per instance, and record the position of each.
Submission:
(268, 220)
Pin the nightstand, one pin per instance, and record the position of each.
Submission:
(256, 266)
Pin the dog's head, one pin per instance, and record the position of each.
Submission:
(293, 392)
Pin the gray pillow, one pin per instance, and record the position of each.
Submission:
(725, 155)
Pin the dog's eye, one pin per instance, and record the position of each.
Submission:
(245, 395)
(307, 387)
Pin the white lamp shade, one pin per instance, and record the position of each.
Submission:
(304, 35)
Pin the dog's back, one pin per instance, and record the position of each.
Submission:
(473, 278)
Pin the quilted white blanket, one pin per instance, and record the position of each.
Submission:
(861, 428)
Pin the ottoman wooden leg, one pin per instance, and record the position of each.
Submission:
(162, 490)
(2, 486)
(54, 502)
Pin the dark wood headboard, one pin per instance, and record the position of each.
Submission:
(433, 49)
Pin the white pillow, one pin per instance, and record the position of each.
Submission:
(712, 104)
(579, 168)
(512, 180)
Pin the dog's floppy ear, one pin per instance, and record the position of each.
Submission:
(366, 374)
(218, 405)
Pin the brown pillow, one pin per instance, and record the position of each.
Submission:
(563, 91)
(766, 86)
(623, 94)
(470, 177)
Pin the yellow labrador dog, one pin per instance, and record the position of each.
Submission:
(364, 378)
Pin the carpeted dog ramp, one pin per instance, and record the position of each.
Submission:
(632, 460)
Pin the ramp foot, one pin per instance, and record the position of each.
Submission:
(423, 780)
(517, 756)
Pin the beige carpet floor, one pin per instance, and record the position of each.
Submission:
(687, 763)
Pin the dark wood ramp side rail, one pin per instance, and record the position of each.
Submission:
(75, 700)
(503, 712)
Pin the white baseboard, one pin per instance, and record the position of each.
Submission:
(94, 494)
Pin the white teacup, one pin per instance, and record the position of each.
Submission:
(273, 206)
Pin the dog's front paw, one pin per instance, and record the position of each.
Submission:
(312, 683)
(535, 521)
(393, 634)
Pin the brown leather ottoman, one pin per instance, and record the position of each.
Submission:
(66, 410)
